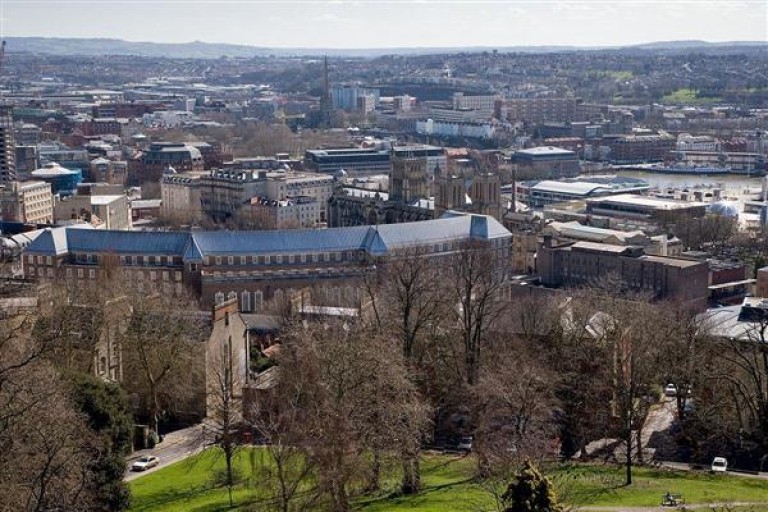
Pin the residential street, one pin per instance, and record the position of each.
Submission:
(176, 446)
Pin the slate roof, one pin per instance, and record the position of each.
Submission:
(376, 240)
(59, 241)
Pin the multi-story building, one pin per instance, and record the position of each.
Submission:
(104, 211)
(63, 181)
(149, 165)
(642, 208)
(346, 96)
(28, 134)
(181, 200)
(474, 130)
(28, 202)
(625, 268)
(7, 145)
(546, 162)
(99, 126)
(113, 172)
(630, 149)
(253, 266)
(483, 104)
(63, 155)
(288, 212)
(289, 184)
(26, 161)
(537, 110)
(352, 160)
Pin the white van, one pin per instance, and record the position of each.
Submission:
(719, 465)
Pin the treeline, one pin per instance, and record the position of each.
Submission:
(442, 350)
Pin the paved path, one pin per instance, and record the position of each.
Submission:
(659, 508)
(176, 446)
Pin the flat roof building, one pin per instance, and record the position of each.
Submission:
(352, 160)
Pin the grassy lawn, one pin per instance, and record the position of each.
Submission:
(449, 485)
(603, 486)
(688, 97)
(188, 486)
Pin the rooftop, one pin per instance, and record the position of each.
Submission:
(545, 150)
(656, 203)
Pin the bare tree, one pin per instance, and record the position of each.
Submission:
(162, 350)
(357, 398)
(744, 367)
(629, 328)
(277, 414)
(515, 412)
(46, 448)
(224, 419)
(474, 295)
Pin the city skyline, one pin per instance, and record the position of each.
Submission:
(392, 24)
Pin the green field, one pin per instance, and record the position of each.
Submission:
(688, 97)
(449, 486)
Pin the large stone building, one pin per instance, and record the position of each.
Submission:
(625, 268)
(28, 202)
(149, 165)
(254, 266)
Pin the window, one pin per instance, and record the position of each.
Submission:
(91, 274)
(39, 260)
(218, 260)
(218, 298)
(166, 275)
(129, 260)
(153, 275)
(258, 299)
(80, 272)
(151, 260)
(48, 260)
(177, 275)
(242, 260)
(30, 258)
(193, 267)
(230, 260)
(68, 272)
(50, 272)
(245, 301)
(279, 258)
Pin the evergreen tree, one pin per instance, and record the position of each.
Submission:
(531, 492)
(109, 416)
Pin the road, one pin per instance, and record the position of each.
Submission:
(176, 446)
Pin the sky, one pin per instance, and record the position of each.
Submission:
(391, 23)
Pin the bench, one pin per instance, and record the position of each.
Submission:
(672, 500)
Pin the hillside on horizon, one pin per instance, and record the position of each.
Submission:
(203, 50)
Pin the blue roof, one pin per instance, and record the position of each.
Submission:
(60, 241)
(376, 240)
(288, 240)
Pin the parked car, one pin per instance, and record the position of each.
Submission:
(144, 463)
(719, 465)
(670, 390)
(465, 444)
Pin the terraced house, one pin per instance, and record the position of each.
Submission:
(254, 266)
